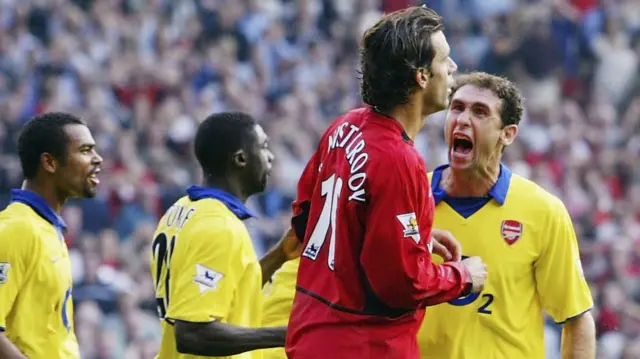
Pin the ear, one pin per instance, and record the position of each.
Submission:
(509, 134)
(240, 159)
(422, 77)
(49, 163)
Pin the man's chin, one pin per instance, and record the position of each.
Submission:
(89, 193)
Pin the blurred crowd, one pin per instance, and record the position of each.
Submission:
(144, 73)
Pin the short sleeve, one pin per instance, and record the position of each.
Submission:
(560, 281)
(302, 205)
(17, 248)
(205, 270)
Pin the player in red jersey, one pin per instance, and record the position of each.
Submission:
(365, 208)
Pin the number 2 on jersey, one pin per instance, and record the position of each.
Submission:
(331, 189)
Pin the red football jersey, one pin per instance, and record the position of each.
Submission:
(365, 211)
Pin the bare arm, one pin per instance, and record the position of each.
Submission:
(218, 339)
(288, 248)
(8, 350)
(579, 338)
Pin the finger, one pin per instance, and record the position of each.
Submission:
(442, 251)
(457, 253)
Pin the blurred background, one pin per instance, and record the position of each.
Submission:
(143, 73)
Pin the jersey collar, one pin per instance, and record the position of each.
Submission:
(388, 122)
(497, 192)
(236, 206)
(39, 205)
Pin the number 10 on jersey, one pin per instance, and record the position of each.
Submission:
(331, 189)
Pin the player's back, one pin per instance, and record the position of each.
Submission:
(36, 307)
(515, 233)
(335, 303)
(200, 275)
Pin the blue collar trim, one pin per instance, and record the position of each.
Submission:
(39, 205)
(497, 192)
(236, 206)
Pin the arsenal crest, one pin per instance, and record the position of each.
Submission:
(511, 231)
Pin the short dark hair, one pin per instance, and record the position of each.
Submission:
(392, 51)
(44, 133)
(512, 101)
(218, 137)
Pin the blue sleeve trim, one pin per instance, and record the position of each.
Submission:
(575, 316)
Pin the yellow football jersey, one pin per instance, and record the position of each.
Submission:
(526, 237)
(204, 267)
(36, 307)
(278, 300)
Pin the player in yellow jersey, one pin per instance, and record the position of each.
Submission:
(207, 276)
(58, 158)
(522, 232)
(278, 300)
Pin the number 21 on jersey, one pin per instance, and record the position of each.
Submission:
(331, 189)
(162, 250)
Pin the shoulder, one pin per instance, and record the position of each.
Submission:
(16, 231)
(15, 219)
(538, 199)
(214, 227)
(398, 156)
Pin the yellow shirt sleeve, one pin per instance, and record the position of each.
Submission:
(205, 270)
(560, 281)
(16, 261)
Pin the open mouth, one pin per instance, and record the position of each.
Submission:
(93, 177)
(462, 145)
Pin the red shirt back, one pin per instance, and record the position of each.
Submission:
(365, 211)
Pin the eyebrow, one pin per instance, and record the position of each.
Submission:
(87, 146)
(474, 104)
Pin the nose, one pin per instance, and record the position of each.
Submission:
(97, 159)
(270, 156)
(453, 67)
(463, 119)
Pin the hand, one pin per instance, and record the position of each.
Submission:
(477, 271)
(290, 245)
(445, 245)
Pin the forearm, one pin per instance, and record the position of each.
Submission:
(579, 338)
(270, 263)
(8, 350)
(219, 339)
(278, 254)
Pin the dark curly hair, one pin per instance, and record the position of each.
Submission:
(392, 51)
(44, 133)
(512, 106)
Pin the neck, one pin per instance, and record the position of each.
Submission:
(475, 182)
(410, 116)
(48, 192)
(227, 184)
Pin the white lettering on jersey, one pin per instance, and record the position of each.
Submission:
(177, 216)
(4, 272)
(207, 278)
(354, 146)
(410, 226)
